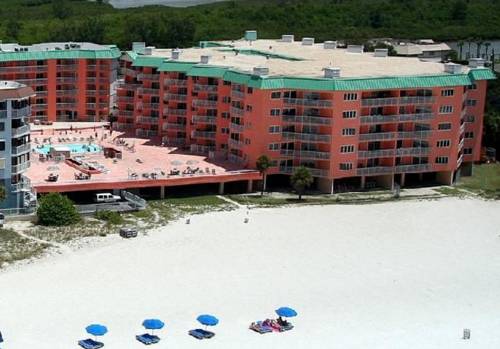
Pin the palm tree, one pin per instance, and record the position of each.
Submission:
(469, 41)
(487, 46)
(460, 45)
(263, 164)
(478, 48)
(301, 179)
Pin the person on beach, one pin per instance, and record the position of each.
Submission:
(1, 338)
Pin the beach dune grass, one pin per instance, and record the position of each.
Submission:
(13, 247)
(484, 181)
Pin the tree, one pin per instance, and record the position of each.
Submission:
(56, 210)
(459, 11)
(460, 45)
(263, 164)
(61, 9)
(3, 193)
(301, 179)
(12, 28)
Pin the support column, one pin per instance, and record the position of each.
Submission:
(250, 186)
(162, 192)
(221, 188)
(403, 178)
(363, 182)
(421, 177)
(332, 189)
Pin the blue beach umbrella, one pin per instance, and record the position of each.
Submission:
(153, 324)
(286, 312)
(96, 330)
(207, 320)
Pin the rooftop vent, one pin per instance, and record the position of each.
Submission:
(355, 48)
(332, 72)
(330, 45)
(176, 53)
(452, 68)
(138, 47)
(148, 51)
(307, 41)
(260, 71)
(251, 35)
(287, 38)
(476, 62)
(381, 52)
(204, 59)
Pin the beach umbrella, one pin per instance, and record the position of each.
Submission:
(96, 330)
(286, 312)
(207, 320)
(153, 324)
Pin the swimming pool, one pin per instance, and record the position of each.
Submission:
(74, 148)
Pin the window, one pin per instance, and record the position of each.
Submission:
(247, 141)
(470, 102)
(2, 146)
(275, 94)
(275, 112)
(345, 166)
(467, 151)
(249, 108)
(446, 109)
(442, 160)
(347, 149)
(2, 163)
(226, 99)
(350, 96)
(2, 126)
(274, 146)
(472, 87)
(225, 115)
(469, 135)
(250, 90)
(470, 118)
(444, 126)
(274, 129)
(447, 93)
(444, 143)
(226, 83)
(349, 114)
(348, 132)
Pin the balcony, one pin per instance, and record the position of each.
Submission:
(462, 128)
(178, 141)
(140, 132)
(71, 92)
(125, 113)
(378, 119)
(22, 112)
(236, 94)
(39, 107)
(412, 151)
(130, 72)
(319, 103)
(148, 91)
(369, 102)
(414, 134)
(233, 143)
(380, 153)
(121, 126)
(202, 119)
(307, 119)
(151, 77)
(204, 103)
(94, 79)
(150, 106)
(313, 154)
(236, 127)
(306, 137)
(20, 167)
(67, 67)
(24, 69)
(23, 185)
(173, 126)
(125, 99)
(148, 120)
(202, 149)
(21, 131)
(237, 111)
(315, 172)
(66, 105)
(31, 82)
(235, 159)
(203, 134)
(377, 136)
(176, 82)
(460, 160)
(67, 79)
(412, 168)
(173, 111)
(175, 97)
(376, 170)
(24, 148)
(461, 144)
(204, 88)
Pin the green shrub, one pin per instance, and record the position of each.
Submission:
(56, 210)
(109, 216)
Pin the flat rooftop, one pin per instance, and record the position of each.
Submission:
(298, 60)
(52, 46)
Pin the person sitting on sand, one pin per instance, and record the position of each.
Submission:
(282, 322)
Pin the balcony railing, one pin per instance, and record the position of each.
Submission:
(173, 111)
(152, 77)
(202, 119)
(367, 102)
(377, 136)
(396, 118)
(237, 94)
(204, 103)
(24, 68)
(460, 160)
(125, 99)
(178, 141)
(412, 168)
(21, 149)
(67, 79)
(313, 154)
(20, 131)
(414, 134)
(130, 72)
(30, 82)
(21, 167)
(308, 102)
(235, 159)
(307, 119)
(23, 185)
(175, 97)
(392, 169)
(412, 151)
(148, 120)
(205, 88)
(140, 132)
(234, 143)
(148, 91)
(236, 127)
(70, 67)
(39, 107)
(237, 111)
(203, 149)
(22, 112)
(122, 126)
(153, 106)
(307, 137)
(126, 113)
(173, 126)
(71, 92)
(66, 105)
(379, 153)
(315, 172)
(178, 82)
(203, 134)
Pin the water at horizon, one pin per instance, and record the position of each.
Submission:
(174, 3)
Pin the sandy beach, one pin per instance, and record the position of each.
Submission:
(408, 274)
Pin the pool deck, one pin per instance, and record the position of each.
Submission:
(147, 157)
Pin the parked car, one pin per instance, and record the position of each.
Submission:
(106, 197)
(128, 233)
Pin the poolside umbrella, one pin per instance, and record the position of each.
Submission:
(153, 324)
(207, 320)
(176, 163)
(96, 330)
(286, 312)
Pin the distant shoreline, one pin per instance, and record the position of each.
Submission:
(173, 3)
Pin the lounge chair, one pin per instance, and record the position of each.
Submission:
(90, 344)
(259, 327)
(201, 334)
(147, 339)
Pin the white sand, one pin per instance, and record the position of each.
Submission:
(395, 275)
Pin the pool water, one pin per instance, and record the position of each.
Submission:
(75, 148)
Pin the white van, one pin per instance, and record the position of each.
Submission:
(106, 197)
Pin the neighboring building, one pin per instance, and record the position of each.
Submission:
(350, 117)
(424, 49)
(15, 144)
(71, 80)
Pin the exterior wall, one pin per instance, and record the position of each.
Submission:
(66, 90)
(395, 131)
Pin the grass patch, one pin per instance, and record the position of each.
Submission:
(485, 181)
(86, 228)
(14, 247)
(110, 217)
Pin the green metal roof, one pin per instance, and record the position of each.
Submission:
(111, 53)
(307, 83)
